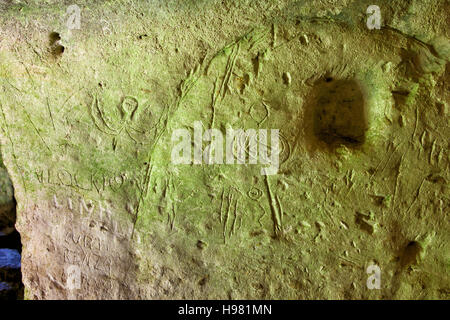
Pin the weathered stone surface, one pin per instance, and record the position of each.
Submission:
(87, 121)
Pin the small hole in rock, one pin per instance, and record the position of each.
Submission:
(411, 254)
(54, 37)
(56, 48)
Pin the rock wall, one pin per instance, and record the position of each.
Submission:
(357, 208)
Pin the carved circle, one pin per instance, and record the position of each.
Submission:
(254, 193)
